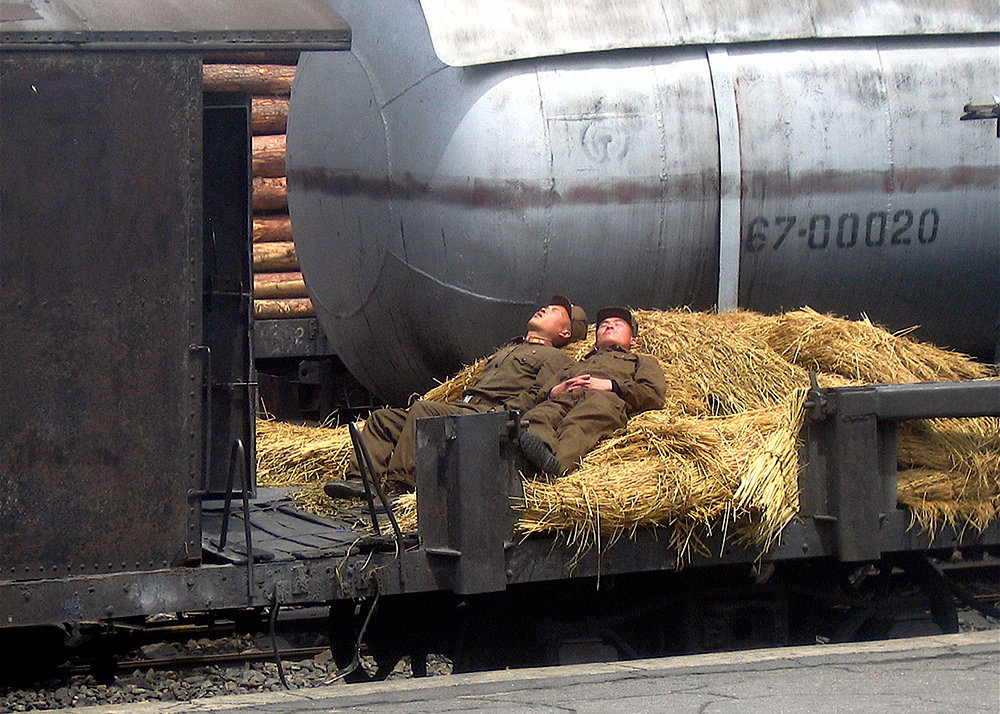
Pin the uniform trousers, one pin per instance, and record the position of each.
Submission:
(573, 423)
(390, 435)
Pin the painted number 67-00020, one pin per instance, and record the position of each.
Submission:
(822, 231)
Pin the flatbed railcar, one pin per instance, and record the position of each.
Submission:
(465, 586)
(127, 414)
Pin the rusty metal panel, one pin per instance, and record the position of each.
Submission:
(100, 303)
(168, 24)
(466, 476)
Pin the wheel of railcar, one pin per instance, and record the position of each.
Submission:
(892, 598)
(396, 628)
(104, 666)
(497, 631)
(941, 600)
(411, 625)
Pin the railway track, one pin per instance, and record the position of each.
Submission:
(200, 660)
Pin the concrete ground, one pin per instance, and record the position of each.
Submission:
(943, 673)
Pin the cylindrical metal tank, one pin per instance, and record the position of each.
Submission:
(432, 204)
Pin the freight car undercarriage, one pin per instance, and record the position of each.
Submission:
(467, 587)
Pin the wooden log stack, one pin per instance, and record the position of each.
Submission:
(278, 288)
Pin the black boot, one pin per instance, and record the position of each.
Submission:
(352, 489)
(537, 452)
(345, 488)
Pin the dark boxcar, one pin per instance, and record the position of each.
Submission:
(117, 290)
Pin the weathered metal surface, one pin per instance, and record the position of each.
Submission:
(103, 412)
(100, 303)
(466, 472)
(848, 486)
(860, 484)
(326, 574)
(433, 204)
(864, 192)
(301, 557)
(290, 338)
(206, 588)
(166, 24)
(538, 560)
(848, 501)
(898, 402)
(846, 513)
(280, 531)
(468, 32)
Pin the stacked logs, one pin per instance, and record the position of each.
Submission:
(278, 287)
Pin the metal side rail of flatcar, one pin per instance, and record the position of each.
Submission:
(468, 468)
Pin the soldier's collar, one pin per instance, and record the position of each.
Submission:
(612, 348)
(532, 340)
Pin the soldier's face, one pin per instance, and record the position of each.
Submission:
(614, 331)
(552, 321)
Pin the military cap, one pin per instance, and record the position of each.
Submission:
(577, 315)
(623, 312)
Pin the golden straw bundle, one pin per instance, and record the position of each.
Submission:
(289, 454)
(708, 364)
(856, 349)
(453, 388)
(951, 472)
(683, 472)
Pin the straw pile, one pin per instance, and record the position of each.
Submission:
(722, 455)
(288, 454)
(950, 472)
(854, 349)
(455, 387)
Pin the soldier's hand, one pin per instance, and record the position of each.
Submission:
(605, 385)
(568, 385)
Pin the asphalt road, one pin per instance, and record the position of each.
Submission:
(943, 673)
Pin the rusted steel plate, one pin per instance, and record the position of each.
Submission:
(100, 302)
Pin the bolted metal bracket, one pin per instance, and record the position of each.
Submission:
(466, 477)
(816, 403)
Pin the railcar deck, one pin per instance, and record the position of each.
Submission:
(280, 530)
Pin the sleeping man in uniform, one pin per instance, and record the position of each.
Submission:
(592, 398)
(513, 378)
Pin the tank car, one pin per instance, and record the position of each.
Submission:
(464, 160)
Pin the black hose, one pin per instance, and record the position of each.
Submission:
(356, 661)
(274, 639)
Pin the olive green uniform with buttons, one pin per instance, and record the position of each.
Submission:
(572, 423)
(516, 377)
